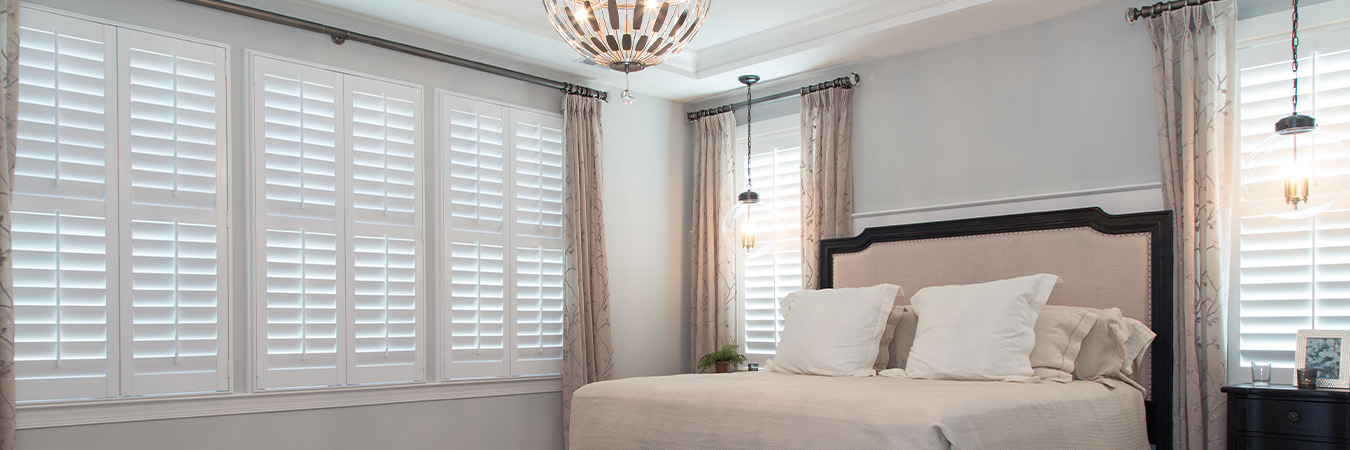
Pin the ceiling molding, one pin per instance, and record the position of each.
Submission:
(851, 22)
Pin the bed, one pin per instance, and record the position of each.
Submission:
(1104, 260)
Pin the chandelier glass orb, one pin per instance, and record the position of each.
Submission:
(627, 35)
(1296, 173)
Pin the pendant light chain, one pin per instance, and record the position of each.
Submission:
(1294, 45)
(750, 100)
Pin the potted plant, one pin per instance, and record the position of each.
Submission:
(722, 359)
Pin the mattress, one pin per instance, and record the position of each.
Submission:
(756, 410)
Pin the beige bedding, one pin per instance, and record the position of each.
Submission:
(759, 410)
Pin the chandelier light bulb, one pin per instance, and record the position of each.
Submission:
(1296, 175)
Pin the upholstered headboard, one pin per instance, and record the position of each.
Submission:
(1105, 260)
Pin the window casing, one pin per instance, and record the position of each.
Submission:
(337, 238)
(121, 250)
(767, 278)
(501, 239)
(1291, 274)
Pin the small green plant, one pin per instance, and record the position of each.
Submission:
(727, 353)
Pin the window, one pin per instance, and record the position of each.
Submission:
(767, 278)
(337, 243)
(501, 242)
(119, 213)
(1292, 273)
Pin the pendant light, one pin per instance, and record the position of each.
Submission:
(1299, 171)
(738, 228)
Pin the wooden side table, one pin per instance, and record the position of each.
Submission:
(1284, 417)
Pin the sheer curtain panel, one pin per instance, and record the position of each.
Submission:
(714, 308)
(1192, 60)
(827, 174)
(588, 341)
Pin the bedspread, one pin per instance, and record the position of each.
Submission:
(757, 410)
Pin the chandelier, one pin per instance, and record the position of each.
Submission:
(627, 35)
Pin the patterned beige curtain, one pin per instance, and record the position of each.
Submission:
(588, 341)
(827, 174)
(1193, 52)
(714, 304)
(9, 28)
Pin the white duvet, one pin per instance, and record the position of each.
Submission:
(765, 410)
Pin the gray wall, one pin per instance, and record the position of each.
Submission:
(1060, 106)
(645, 192)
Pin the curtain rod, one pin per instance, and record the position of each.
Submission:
(1148, 12)
(340, 36)
(846, 82)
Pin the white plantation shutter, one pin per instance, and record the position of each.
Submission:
(386, 311)
(1293, 274)
(173, 128)
(119, 212)
(538, 242)
(767, 278)
(473, 141)
(64, 225)
(502, 209)
(338, 233)
(300, 229)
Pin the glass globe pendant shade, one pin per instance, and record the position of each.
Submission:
(739, 230)
(1297, 172)
(627, 35)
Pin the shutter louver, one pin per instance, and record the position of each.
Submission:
(64, 232)
(386, 308)
(302, 264)
(538, 243)
(769, 277)
(175, 306)
(1292, 272)
(474, 136)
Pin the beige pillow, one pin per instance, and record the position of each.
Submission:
(904, 338)
(1103, 351)
(892, 322)
(1059, 337)
(1136, 347)
(883, 352)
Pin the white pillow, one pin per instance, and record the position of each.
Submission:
(979, 331)
(834, 332)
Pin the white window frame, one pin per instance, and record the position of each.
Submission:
(765, 134)
(1272, 30)
(239, 398)
(121, 380)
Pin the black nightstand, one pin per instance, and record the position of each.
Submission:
(1286, 418)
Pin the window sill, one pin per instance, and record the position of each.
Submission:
(138, 409)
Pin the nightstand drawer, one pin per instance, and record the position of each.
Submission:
(1295, 418)
(1256, 443)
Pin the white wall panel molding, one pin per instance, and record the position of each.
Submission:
(133, 410)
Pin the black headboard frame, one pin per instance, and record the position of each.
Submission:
(1158, 225)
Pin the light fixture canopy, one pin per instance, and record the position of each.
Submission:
(627, 35)
(1299, 171)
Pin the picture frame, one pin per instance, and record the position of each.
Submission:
(1325, 352)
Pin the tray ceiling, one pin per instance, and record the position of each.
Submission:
(771, 38)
